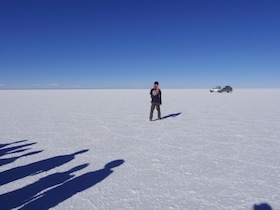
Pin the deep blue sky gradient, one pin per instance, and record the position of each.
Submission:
(132, 43)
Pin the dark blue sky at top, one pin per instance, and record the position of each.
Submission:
(132, 43)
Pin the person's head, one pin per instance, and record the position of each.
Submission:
(80, 152)
(156, 84)
(113, 164)
(78, 168)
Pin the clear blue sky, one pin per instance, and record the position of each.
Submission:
(132, 43)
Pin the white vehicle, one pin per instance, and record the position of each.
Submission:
(216, 89)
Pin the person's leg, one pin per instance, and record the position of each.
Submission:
(158, 109)
(152, 111)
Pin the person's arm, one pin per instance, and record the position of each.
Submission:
(160, 97)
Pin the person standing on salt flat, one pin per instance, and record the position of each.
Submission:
(156, 100)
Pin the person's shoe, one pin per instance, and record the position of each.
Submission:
(151, 120)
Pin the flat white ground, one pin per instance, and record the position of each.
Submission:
(221, 152)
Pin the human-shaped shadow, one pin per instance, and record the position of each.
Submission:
(168, 116)
(65, 191)
(5, 161)
(263, 206)
(21, 196)
(14, 149)
(16, 142)
(35, 168)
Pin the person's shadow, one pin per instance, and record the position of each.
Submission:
(168, 116)
(5, 161)
(65, 191)
(21, 196)
(15, 149)
(35, 168)
(263, 206)
(16, 142)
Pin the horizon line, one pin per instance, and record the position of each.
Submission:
(178, 88)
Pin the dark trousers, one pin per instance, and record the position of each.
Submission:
(153, 106)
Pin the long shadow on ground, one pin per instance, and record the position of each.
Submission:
(48, 191)
(64, 186)
(6, 149)
(35, 168)
(4, 161)
(168, 116)
(16, 142)
(63, 192)
(15, 149)
(19, 197)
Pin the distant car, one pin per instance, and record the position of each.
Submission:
(216, 89)
(227, 89)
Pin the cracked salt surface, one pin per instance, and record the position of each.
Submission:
(221, 152)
